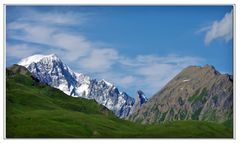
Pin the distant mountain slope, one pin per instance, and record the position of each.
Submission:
(197, 93)
(36, 110)
(51, 70)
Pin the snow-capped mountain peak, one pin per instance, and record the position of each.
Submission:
(36, 58)
(51, 70)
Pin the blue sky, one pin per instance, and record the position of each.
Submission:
(133, 47)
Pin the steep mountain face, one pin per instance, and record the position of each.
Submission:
(51, 70)
(197, 93)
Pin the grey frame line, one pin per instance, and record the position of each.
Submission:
(117, 5)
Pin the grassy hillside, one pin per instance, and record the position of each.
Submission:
(35, 110)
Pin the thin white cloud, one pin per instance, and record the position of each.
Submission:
(220, 29)
(155, 69)
(49, 28)
(31, 32)
(70, 45)
(99, 60)
(126, 80)
(53, 17)
(74, 47)
(203, 29)
(20, 51)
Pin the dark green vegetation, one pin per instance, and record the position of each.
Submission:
(36, 110)
(198, 96)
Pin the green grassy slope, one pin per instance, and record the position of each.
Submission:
(35, 110)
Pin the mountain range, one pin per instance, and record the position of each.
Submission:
(37, 110)
(196, 93)
(51, 70)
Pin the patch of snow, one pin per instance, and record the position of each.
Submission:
(36, 58)
(32, 59)
(121, 102)
(185, 80)
(109, 104)
(83, 90)
(108, 83)
(64, 88)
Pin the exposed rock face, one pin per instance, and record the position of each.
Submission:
(17, 69)
(197, 93)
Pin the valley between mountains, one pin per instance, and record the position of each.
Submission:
(46, 99)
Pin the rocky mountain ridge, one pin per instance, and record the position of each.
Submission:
(196, 93)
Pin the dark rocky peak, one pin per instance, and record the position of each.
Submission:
(141, 98)
(228, 77)
(211, 69)
(140, 93)
(191, 70)
(206, 67)
(18, 69)
(14, 69)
